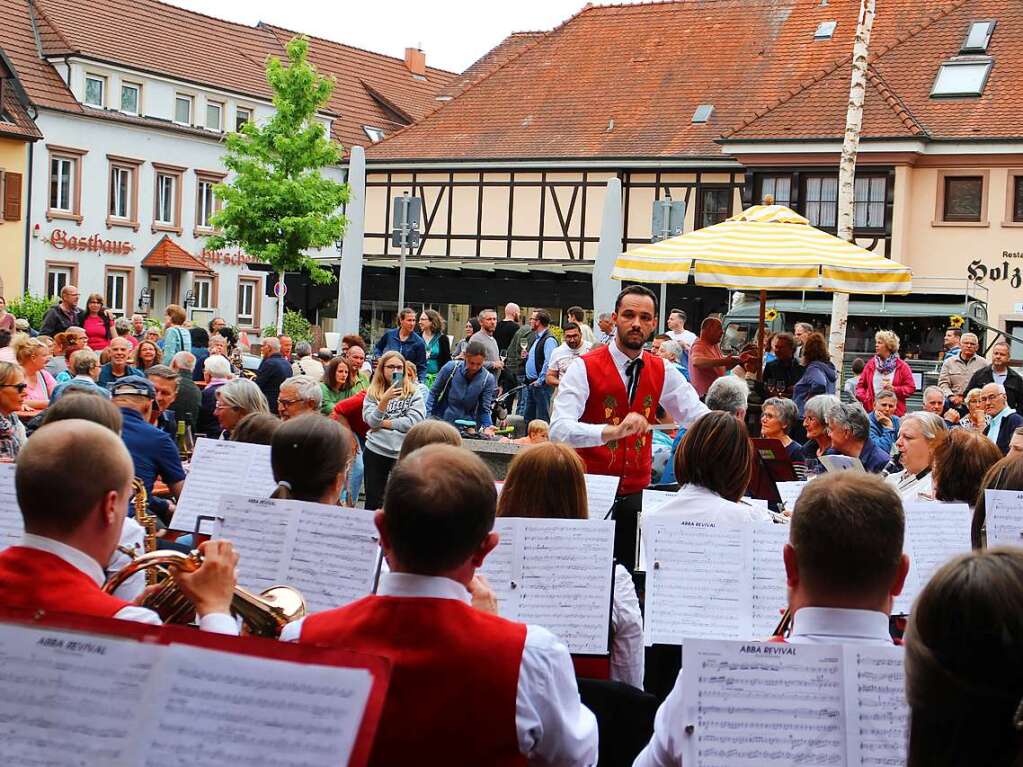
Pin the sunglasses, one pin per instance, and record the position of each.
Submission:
(20, 387)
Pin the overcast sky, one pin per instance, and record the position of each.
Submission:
(453, 34)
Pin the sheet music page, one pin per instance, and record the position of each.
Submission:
(875, 699)
(758, 705)
(790, 492)
(1003, 511)
(71, 698)
(698, 582)
(263, 533)
(935, 532)
(218, 468)
(11, 525)
(502, 568)
(600, 494)
(770, 588)
(335, 555)
(220, 709)
(652, 500)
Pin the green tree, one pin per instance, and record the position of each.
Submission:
(278, 205)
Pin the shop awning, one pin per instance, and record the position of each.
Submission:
(167, 254)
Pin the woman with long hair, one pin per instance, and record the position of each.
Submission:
(393, 405)
(235, 400)
(960, 462)
(548, 482)
(97, 323)
(310, 456)
(340, 381)
(438, 347)
(147, 354)
(964, 668)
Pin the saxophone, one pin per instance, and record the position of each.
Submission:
(263, 615)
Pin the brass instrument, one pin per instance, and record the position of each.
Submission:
(263, 615)
(148, 523)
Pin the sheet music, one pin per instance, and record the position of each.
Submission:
(782, 704)
(600, 494)
(69, 698)
(652, 500)
(1003, 512)
(790, 492)
(218, 468)
(556, 573)
(935, 533)
(330, 554)
(243, 710)
(877, 724)
(712, 581)
(11, 525)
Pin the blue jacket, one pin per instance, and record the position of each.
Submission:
(819, 378)
(106, 374)
(175, 339)
(152, 451)
(412, 349)
(273, 371)
(465, 399)
(871, 456)
(882, 437)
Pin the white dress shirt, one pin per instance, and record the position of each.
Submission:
(553, 726)
(627, 651)
(678, 398)
(133, 538)
(217, 623)
(810, 625)
(911, 487)
(685, 337)
(700, 504)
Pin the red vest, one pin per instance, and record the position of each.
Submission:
(608, 403)
(39, 580)
(454, 681)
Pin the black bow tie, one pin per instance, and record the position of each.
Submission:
(632, 370)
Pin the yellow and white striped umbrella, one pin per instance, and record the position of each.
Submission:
(766, 247)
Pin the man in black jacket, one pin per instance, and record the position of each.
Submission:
(273, 371)
(64, 314)
(1004, 420)
(1000, 372)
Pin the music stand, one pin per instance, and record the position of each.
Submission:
(771, 465)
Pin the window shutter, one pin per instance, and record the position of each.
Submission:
(12, 197)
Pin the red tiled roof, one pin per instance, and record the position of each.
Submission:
(167, 254)
(903, 75)
(14, 119)
(495, 58)
(624, 81)
(40, 80)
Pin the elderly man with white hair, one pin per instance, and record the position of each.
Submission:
(306, 364)
(273, 371)
(957, 370)
(187, 403)
(299, 395)
(1004, 420)
(216, 373)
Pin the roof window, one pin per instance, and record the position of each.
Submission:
(961, 78)
(978, 37)
(373, 134)
(825, 30)
(703, 113)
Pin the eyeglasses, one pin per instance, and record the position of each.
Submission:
(288, 402)
(223, 406)
(394, 367)
(988, 397)
(20, 387)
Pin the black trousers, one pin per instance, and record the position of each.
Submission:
(377, 468)
(625, 512)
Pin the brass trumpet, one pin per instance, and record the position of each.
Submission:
(263, 615)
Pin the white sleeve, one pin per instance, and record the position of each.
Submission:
(679, 398)
(665, 747)
(553, 726)
(573, 391)
(215, 623)
(627, 652)
(139, 615)
(292, 631)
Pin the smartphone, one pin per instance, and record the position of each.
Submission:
(397, 378)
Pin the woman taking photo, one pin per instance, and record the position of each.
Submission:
(438, 348)
(310, 456)
(920, 434)
(340, 381)
(393, 405)
(885, 371)
(964, 669)
(777, 416)
(97, 323)
(13, 392)
(235, 400)
(176, 337)
(548, 482)
(33, 356)
(147, 354)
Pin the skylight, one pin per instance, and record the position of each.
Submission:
(961, 78)
(978, 37)
(825, 30)
(373, 134)
(703, 113)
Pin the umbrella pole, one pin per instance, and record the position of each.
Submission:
(761, 332)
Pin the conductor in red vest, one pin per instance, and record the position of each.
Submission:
(844, 565)
(467, 687)
(607, 403)
(73, 481)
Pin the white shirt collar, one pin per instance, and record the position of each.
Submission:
(841, 623)
(621, 359)
(74, 557)
(409, 585)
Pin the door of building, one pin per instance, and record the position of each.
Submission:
(159, 284)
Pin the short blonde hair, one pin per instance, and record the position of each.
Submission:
(176, 314)
(889, 339)
(538, 426)
(971, 395)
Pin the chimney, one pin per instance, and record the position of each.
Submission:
(415, 61)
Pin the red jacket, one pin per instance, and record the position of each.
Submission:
(902, 382)
(351, 410)
(43, 581)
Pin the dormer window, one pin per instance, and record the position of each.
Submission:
(825, 30)
(373, 134)
(95, 91)
(962, 78)
(978, 37)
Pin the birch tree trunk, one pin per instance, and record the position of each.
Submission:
(847, 174)
(280, 303)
